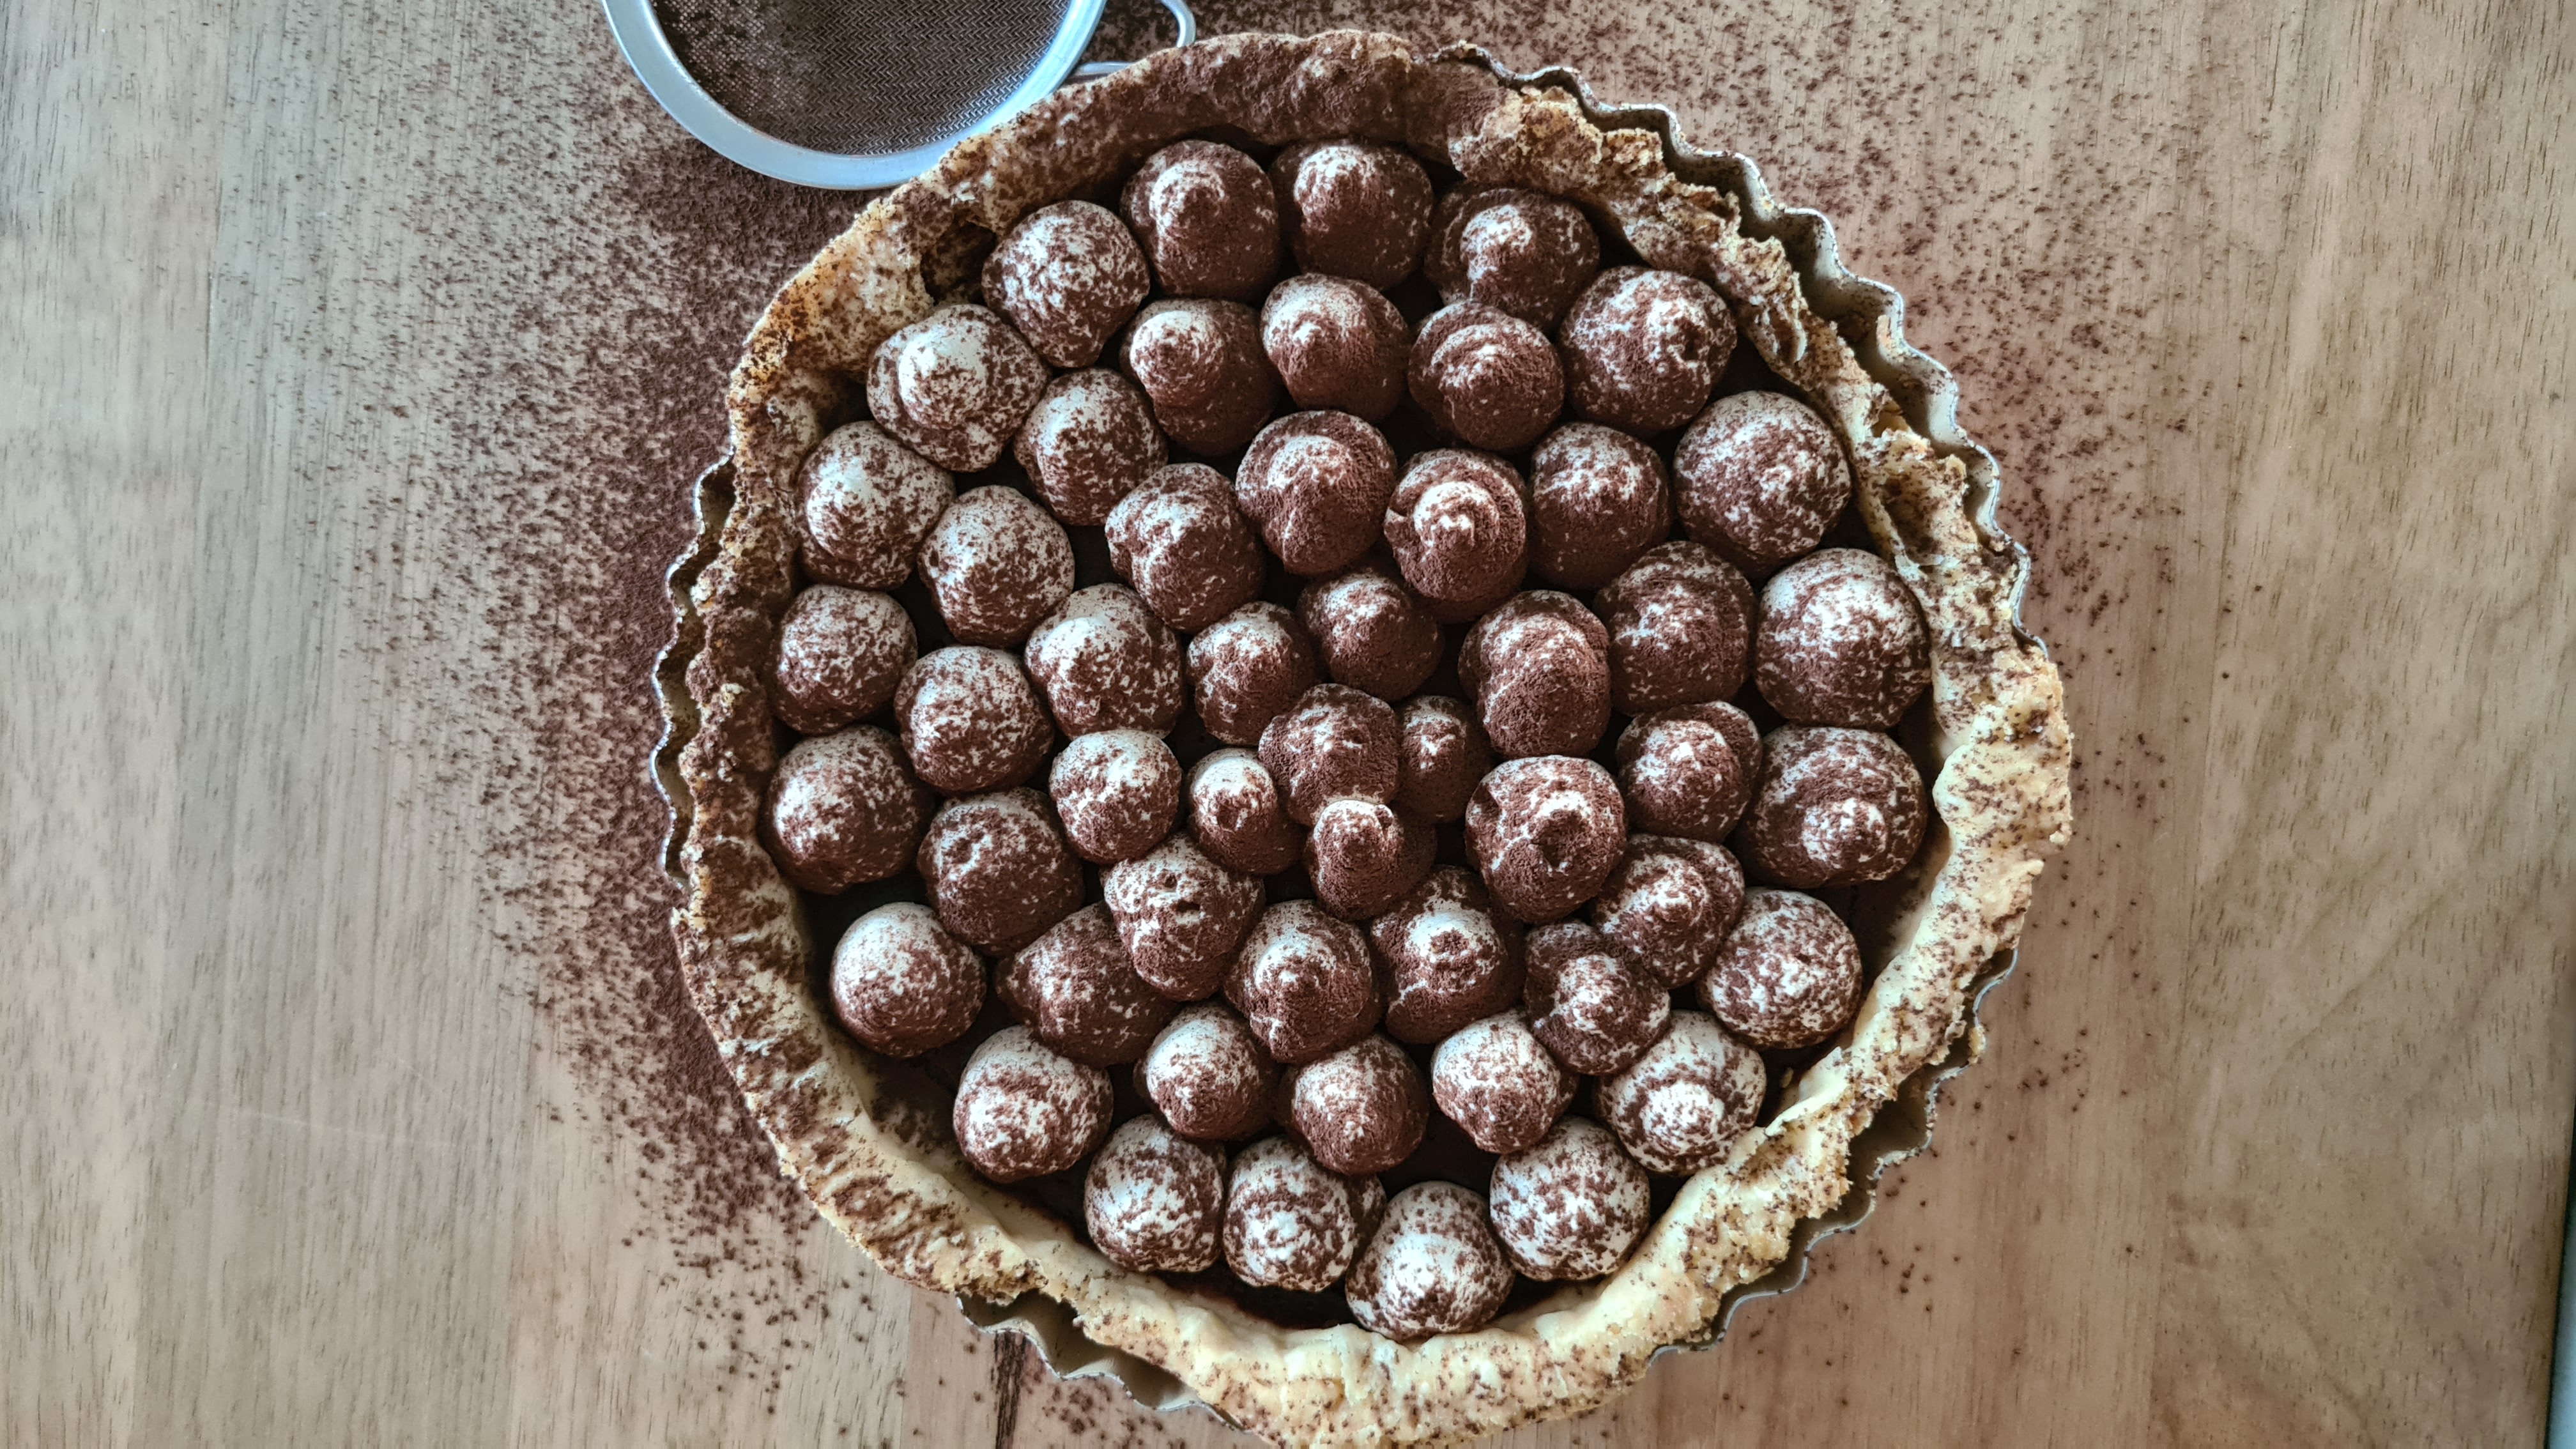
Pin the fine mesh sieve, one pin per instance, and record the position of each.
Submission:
(853, 93)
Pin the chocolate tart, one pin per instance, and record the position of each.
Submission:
(870, 1146)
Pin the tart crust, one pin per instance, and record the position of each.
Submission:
(874, 1158)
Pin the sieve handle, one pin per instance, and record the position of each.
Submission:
(1189, 23)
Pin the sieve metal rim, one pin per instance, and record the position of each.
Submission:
(648, 51)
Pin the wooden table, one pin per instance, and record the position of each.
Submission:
(353, 360)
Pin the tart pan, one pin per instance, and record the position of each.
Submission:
(1993, 741)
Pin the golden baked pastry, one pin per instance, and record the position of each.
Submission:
(874, 1154)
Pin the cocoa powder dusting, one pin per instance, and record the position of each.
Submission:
(688, 248)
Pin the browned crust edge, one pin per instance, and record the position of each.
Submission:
(867, 1158)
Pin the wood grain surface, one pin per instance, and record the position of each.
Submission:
(353, 361)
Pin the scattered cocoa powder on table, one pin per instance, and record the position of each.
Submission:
(686, 249)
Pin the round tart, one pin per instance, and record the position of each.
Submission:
(1545, 842)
